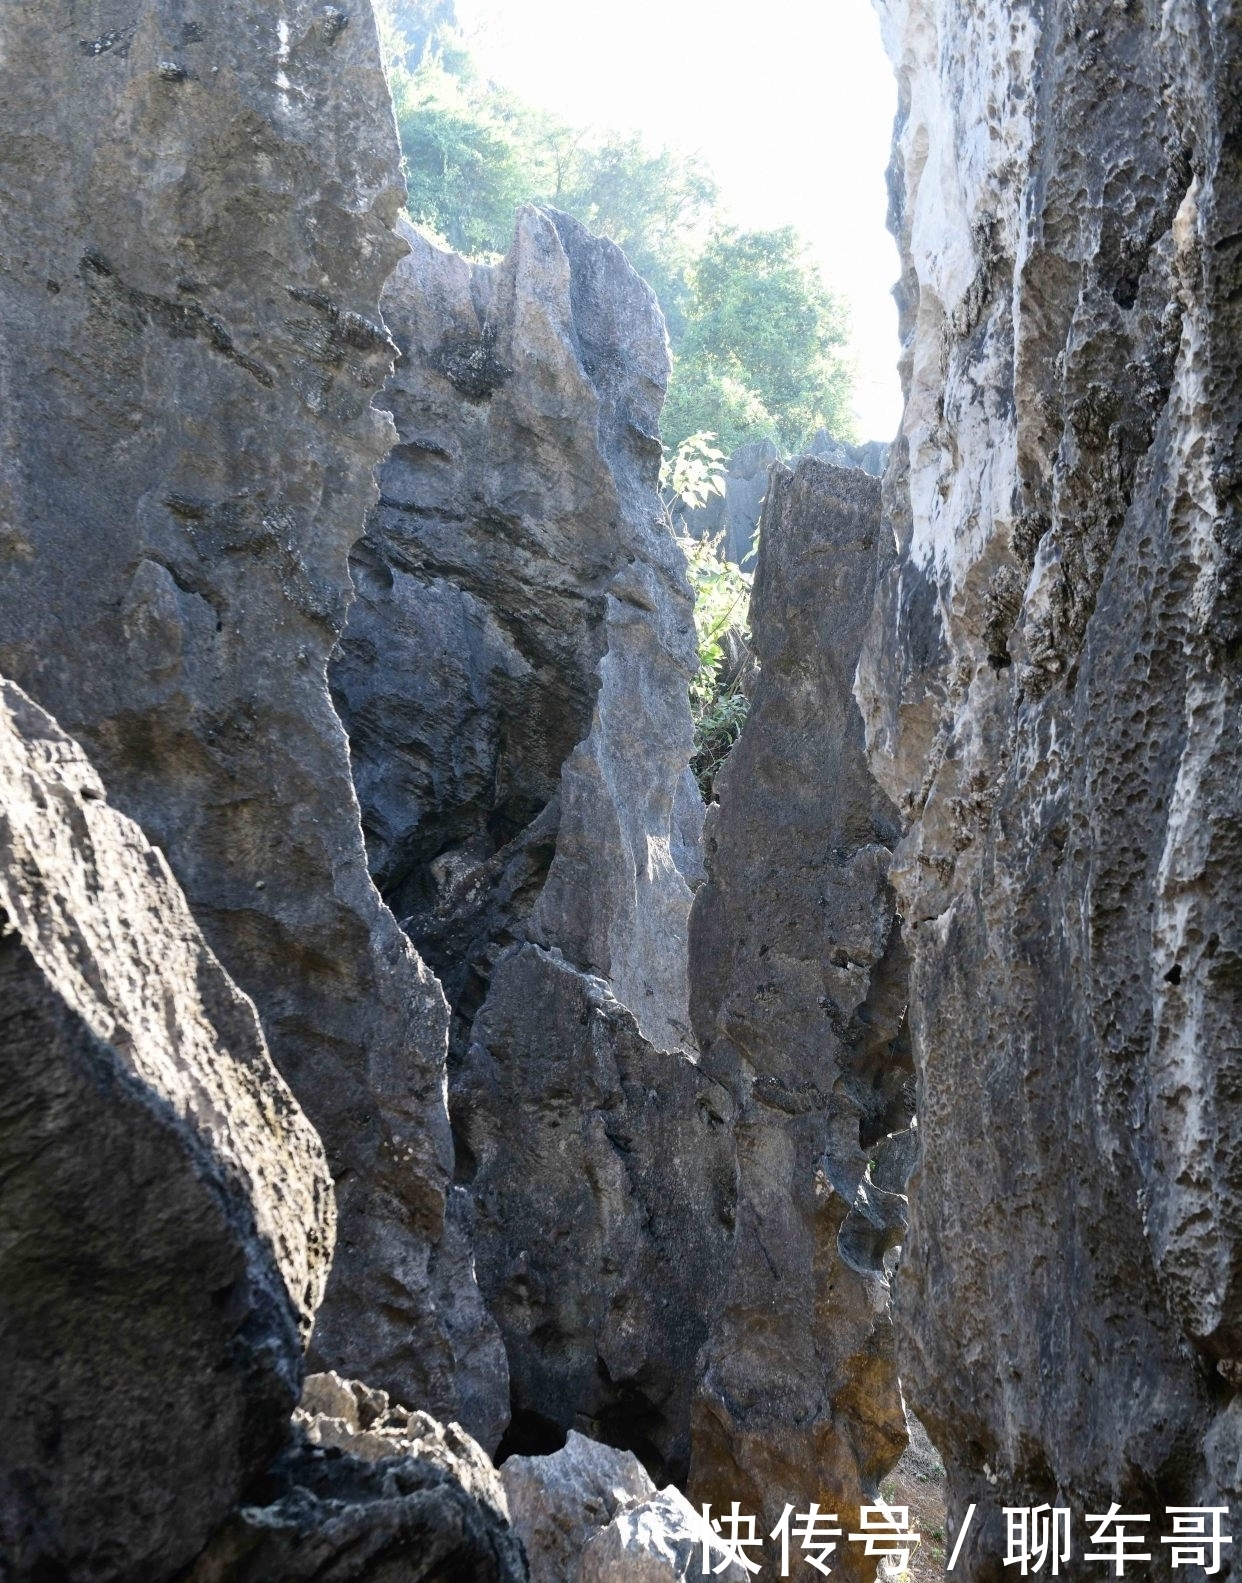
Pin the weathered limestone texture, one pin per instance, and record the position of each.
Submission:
(166, 1219)
(591, 1514)
(557, 1503)
(196, 219)
(798, 998)
(604, 1178)
(1051, 696)
(368, 1491)
(514, 673)
(514, 681)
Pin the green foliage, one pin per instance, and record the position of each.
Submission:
(466, 173)
(656, 206)
(757, 338)
(763, 348)
(690, 475)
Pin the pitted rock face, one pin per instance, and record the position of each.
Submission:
(798, 978)
(1049, 688)
(197, 219)
(167, 1220)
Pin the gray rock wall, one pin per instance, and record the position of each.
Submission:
(196, 219)
(166, 1222)
(798, 975)
(514, 673)
(1050, 695)
(734, 516)
(514, 680)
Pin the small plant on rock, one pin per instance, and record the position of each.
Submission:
(718, 702)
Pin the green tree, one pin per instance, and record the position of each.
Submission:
(465, 170)
(763, 351)
(657, 206)
(757, 338)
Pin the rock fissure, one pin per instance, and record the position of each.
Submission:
(375, 989)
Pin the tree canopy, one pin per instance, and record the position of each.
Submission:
(758, 340)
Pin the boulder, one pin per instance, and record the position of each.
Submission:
(323, 1513)
(591, 1514)
(558, 1503)
(798, 983)
(1050, 689)
(167, 1217)
(198, 214)
(357, 1418)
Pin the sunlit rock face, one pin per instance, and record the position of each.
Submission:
(798, 979)
(196, 220)
(166, 1222)
(514, 679)
(1050, 693)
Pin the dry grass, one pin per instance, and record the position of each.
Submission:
(918, 1482)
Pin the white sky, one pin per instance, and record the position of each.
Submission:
(790, 102)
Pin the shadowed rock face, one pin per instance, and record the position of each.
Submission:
(514, 673)
(603, 1175)
(166, 1221)
(798, 998)
(196, 213)
(1050, 695)
(368, 1490)
(514, 681)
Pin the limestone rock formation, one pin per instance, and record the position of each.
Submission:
(1050, 690)
(734, 516)
(798, 977)
(197, 219)
(166, 1219)
(603, 1174)
(409, 1499)
(514, 673)
(558, 1502)
(591, 1514)
(871, 456)
(514, 681)
(355, 1417)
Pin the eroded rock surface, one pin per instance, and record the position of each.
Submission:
(368, 1491)
(591, 1514)
(558, 1502)
(514, 673)
(166, 1221)
(196, 219)
(603, 1172)
(1050, 691)
(798, 998)
(514, 680)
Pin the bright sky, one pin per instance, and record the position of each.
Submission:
(791, 103)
